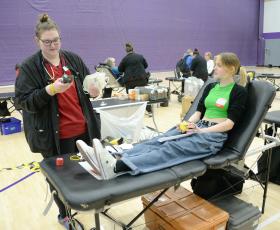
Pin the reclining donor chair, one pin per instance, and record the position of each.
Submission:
(82, 192)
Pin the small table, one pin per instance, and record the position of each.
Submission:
(273, 117)
(7, 96)
(153, 81)
(271, 78)
(124, 106)
(114, 103)
(120, 110)
(179, 90)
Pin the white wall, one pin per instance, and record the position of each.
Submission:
(271, 16)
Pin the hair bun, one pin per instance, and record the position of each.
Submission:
(44, 18)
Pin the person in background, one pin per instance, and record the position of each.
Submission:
(111, 62)
(199, 66)
(17, 68)
(210, 63)
(183, 66)
(189, 57)
(56, 110)
(133, 66)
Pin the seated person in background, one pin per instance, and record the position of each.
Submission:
(111, 62)
(220, 108)
(199, 66)
(184, 65)
(210, 63)
(188, 57)
(133, 66)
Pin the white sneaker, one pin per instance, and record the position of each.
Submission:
(106, 161)
(88, 154)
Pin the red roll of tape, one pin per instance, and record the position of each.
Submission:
(59, 161)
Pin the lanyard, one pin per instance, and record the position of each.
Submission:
(52, 75)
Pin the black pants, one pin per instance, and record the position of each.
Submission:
(121, 167)
(67, 146)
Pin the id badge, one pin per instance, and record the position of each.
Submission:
(221, 102)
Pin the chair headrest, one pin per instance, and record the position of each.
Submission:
(104, 66)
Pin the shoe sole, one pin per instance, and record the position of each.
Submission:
(98, 158)
(80, 146)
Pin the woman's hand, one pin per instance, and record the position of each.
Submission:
(61, 87)
(200, 130)
(192, 126)
(93, 90)
(186, 126)
(57, 87)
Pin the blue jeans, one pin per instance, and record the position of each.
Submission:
(153, 155)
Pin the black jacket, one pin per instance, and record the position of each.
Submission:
(133, 66)
(40, 110)
(237, 101)
(199, 68)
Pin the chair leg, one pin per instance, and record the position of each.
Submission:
(128, 227)
(97, 221)
(266, 179)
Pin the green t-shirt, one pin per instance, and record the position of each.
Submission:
(217, 101)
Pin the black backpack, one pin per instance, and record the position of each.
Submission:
(4, 112)
(217, 183)
(183, 67)
(274, 173)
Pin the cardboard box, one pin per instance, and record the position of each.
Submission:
(182, 210)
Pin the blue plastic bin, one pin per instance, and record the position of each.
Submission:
(14, 126)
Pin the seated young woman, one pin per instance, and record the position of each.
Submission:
(219, 110)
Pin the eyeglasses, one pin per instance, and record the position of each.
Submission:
(55, 41)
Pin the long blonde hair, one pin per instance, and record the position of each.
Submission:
(243, 76)
(231, 60)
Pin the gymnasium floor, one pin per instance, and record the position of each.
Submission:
(21, 206)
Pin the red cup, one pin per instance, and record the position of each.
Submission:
(59, 161)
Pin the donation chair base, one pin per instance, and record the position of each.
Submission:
(129, 225)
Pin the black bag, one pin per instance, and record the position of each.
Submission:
(183, 67)
(216, 183)
(274, 173)
(4, 112)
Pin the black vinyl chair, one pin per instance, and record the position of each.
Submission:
(260, 97)
(81, 191)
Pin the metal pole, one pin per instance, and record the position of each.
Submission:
(269, 153)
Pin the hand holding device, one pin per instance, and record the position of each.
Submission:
(67, 76)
